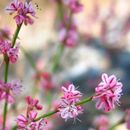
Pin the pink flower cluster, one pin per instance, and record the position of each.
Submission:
(108, 93)
(74, 5)
(68, 36)
(68, 31)
(8, 50)
(68, 108)
(9, 90)
(23, 12)
(28, 122)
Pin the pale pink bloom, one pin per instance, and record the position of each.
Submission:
(68, 109)
(27, 122)
(7, 90)
(4, 46)
(13, 54)
(67, 106)
(23, 12)
(33, 104)
(108, 93)
(71, 93)
(42, 124)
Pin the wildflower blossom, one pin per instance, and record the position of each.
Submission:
(23, 12)
(74, 5)
(33, 104)
(8, 90)
(108, 93)
(68, 108)
(11, 52)
(28, 122)
(68, 34)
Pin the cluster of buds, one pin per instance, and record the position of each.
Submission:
(28, 122)
(9, 90)
(23, 12)
(68, 34)
(68, 108)
(8, 51)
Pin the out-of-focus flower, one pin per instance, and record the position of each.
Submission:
(33, 104)
(67, 107)
(108, 93)
(4, 46)
(23, 12)
(74, 5)
(5, 33)
(8, 90)
(11, 52)
(101, 122)
(46, 81)
(68, 34)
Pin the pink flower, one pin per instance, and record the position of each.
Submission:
(108, 93)
(68, 36)
(7, 90)
(71, 93)
(74, 5)
(27, 122)
(13, 54)
(67, 107)
(4, 46)
(33, 104)
(101, 122)
(23, 12)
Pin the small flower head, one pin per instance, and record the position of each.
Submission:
(33, 104)
(67, 107)
(8, 90)
(108, 93)
(13, 54)
(23, 12)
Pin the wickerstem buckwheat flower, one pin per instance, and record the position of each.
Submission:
(108, 93)
(23, 11)
(67, 107)
(8, 90)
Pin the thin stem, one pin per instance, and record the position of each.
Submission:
(16, 35)
(46, 115)
(118, 123)
(6, 104)
(84, 101)
(55, 111)
(6, 74)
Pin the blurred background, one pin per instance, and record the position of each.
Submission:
(103, 46)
